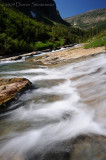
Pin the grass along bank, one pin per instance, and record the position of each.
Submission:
(97, 41)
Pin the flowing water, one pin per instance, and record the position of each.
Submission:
(66, 101)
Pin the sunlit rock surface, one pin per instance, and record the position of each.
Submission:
(10, 89)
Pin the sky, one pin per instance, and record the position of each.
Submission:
(68, 8)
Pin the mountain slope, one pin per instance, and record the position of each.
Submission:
(20, 33)
(89, 19)
(41, 10)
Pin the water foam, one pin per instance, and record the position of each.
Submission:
(50, 123)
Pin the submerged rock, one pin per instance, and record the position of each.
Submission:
(13, 157)
(10, 89)
(86, 148)
(82, 148)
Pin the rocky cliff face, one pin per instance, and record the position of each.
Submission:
(37, 8)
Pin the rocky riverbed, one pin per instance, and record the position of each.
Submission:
(34, 53)
(68, 55)
(63, 117)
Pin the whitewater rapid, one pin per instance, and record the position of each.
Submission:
(67, 101)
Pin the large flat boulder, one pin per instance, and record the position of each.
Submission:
(69, 55)
(10, 89)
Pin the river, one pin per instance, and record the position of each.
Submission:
(66, 101)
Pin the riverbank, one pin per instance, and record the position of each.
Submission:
(68, 55)
(30, 54)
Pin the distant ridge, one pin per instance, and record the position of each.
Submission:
(88, 19)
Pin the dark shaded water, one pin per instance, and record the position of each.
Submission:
(68, 101)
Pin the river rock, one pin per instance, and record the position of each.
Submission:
(10, 89)
(47, 50)
(89, 148)
(13, 157)
(69, 45)
(81, 148)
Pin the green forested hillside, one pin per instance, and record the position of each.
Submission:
(20, 33)
(89, 19)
